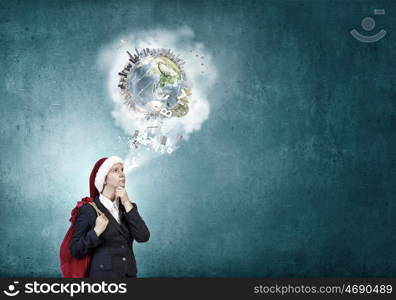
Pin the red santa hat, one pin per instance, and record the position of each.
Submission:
(99, 172)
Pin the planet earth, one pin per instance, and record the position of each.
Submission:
(157, 84)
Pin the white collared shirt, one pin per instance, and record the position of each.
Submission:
(112, 206)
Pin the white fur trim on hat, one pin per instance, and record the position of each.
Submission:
(104, 169)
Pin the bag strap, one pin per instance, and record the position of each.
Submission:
(98, 212)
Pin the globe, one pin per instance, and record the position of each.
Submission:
(156, 83)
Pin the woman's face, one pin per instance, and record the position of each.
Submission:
(116, 176)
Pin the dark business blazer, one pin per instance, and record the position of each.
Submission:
(112, 252)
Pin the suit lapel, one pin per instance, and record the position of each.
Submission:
(120, 227)
(121, 211)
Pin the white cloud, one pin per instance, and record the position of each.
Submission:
(200, 72)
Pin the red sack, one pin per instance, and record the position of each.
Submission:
(70, 266)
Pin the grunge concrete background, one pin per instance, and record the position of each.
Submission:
(293, 174)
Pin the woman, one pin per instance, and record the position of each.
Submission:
(109, 237)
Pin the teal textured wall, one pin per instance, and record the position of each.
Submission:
(293, 174)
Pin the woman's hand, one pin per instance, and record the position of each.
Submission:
(121, 192)
(101, 224)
